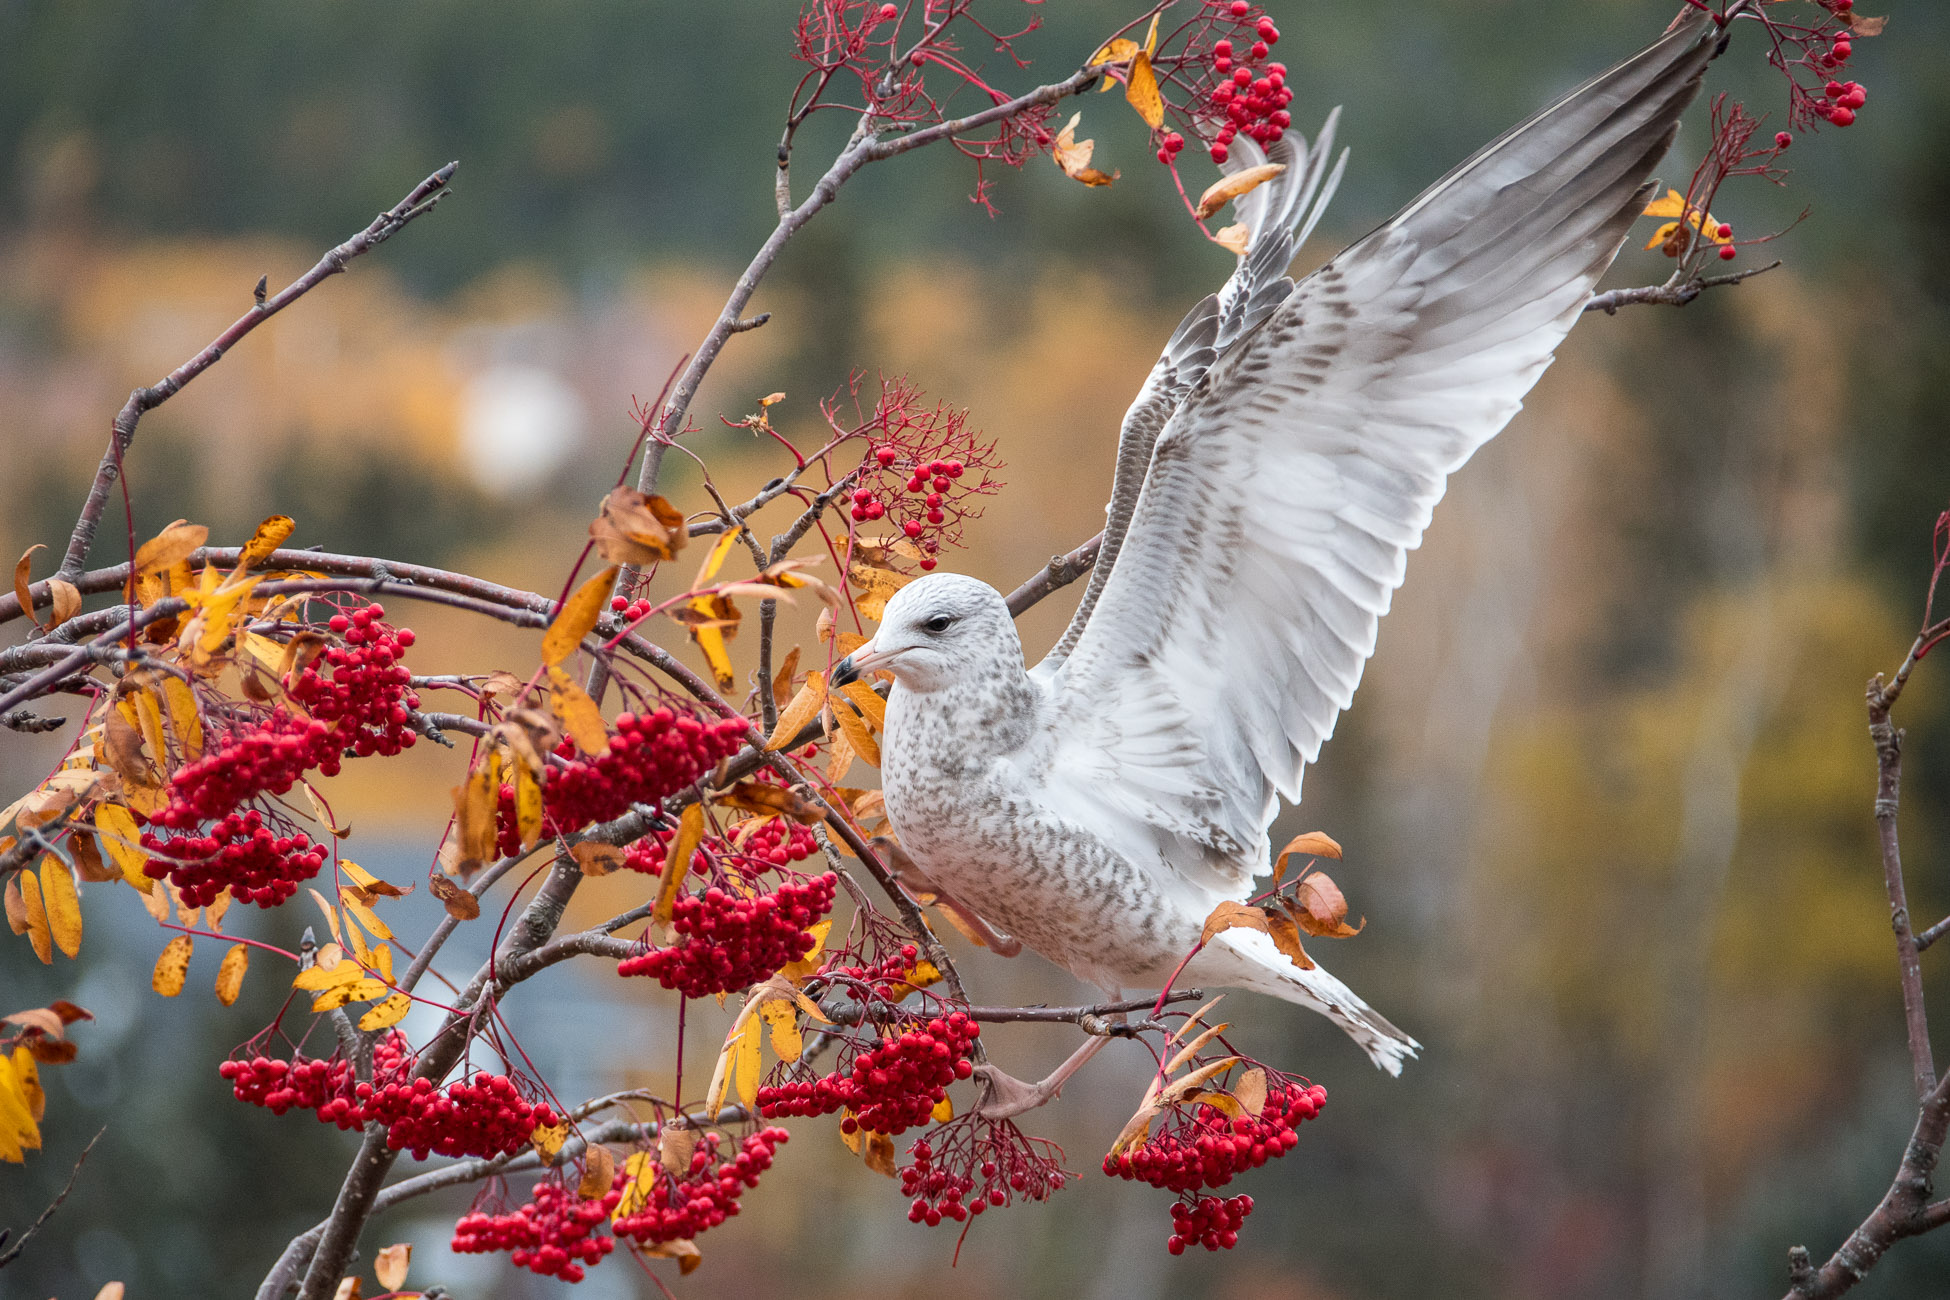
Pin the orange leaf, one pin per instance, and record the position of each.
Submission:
(172, 545)
(36, 918)
(1320, 908)
(1228, 914)
(1141, 91)
(1286, 937)
(637, 529)
(230, 975)
(172, 967)
(579, 714)
(690, 832)
(62, 904)
(577, 617)
(1313, 844)
(803, 708)
(23, 576)
(270, 535)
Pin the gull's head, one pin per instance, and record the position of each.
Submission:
(939, 630)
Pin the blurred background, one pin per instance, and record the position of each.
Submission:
(1605, 794)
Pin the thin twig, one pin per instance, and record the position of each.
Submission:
(1673, 293)
(419, 201)
(14, 1252)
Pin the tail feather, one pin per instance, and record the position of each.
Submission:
(1247, 959)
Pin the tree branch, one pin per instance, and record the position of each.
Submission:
(1673, 293)
(419, 201)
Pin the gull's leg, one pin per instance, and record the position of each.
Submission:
(1004, 1095)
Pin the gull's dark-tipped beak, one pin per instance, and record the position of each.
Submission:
(845, 672)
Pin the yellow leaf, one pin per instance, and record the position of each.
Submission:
(711, 641)
(577, 617)
(18, 1131)
(1141, 91)
(714, 560)
(270, 535)
(944, 1110)
(331, 914)
(579, 714)
(1151, 37)
(374, 926)
(218, 906)
(804, 708)
(124, 844)
(387, 1013)
(183, 717)
(640, 1167)
(1662, 234)
(62, 904)
(329, 970)
(677, 865)
(27, 1075)
(171, 545)
(358, 990)
(783, 1020)
(172, 967)
(1073, 157)
(390, 1265)
(1227, 188)
(1117, 51)
(857, 736)
(528, 805)
(868, 701)
(474, 807)
(230, 975)
(38, 932)
(798, 972)
(1251, 1091)
(1672, 205)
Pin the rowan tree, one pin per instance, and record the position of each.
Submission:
(213, 687)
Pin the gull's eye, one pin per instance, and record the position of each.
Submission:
(939, 623)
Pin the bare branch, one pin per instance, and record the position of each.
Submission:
(1673, 293)
(419, 201)
(14, 1252)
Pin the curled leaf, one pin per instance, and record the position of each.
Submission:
(461, 904)
(1313, 844)
(270, 535)
(23, 577)
(1228, 914)
(169, 547)
(636, 529)
(1227, 188)
(1073, 157)
(767, 799)
(1320, 908)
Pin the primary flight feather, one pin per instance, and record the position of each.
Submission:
(1281, 460)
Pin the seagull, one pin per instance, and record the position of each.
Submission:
(1280, 461)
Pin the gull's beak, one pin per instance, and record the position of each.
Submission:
(864, 659)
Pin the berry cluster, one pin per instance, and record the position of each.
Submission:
(1207, 1148)
(891, 1088)
(631, 610)
(245, 764)
(649, 757)
(1008, 1163)
(553, 1234)
(485, 1116)
(240, 853)
(883, 980)
(1242, 102)
(931, 482)
(1843, 98)
(781, 841)
(732, 943)
(279, 1086)
(367, 701)
(681, 1208)
(1207, 1221)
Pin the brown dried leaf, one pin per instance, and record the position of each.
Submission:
(1251, 1091)
(87, 854)
(1235, 239)
(773, 800)
(1228, 914)
(598, 1172)
(1227, 188)
(122, 745)
(528, 805)
(348, 1289)
(40, 1019)
(298, 653)
(38, 932)
(1193, 1048)
(878, 1153)
(16, 905)
(230, 975)
(390, 1264)
(1286, 937)
(270, 535)
(51, 1051)
(675, 1144)
(1320, 909)
(637, 529)
(67, 601)
(858, 737)
(461, 905)
(1313, 844)
(172, 967)
(23, 577)
(169, 547)
(596, 859)
(1859, 25)
(474, 807)
(782, 679)
(577, 617)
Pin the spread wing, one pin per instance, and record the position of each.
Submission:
(1280, 215)
(1290, 482)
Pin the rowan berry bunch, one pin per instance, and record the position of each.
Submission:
(651, 755)
(554, 1233)
(780, 842)
(893, 1086)
(1811, 54)
(944, 1166)
(367, 701)
(1207, 1221)
(300, 1083)
(485, 1115)
(885, 979)
(1248, 94)
(240, 852)
(677, 1209)
(268, 757)
(923, 468)
(730, 943)
(1203, 1146)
